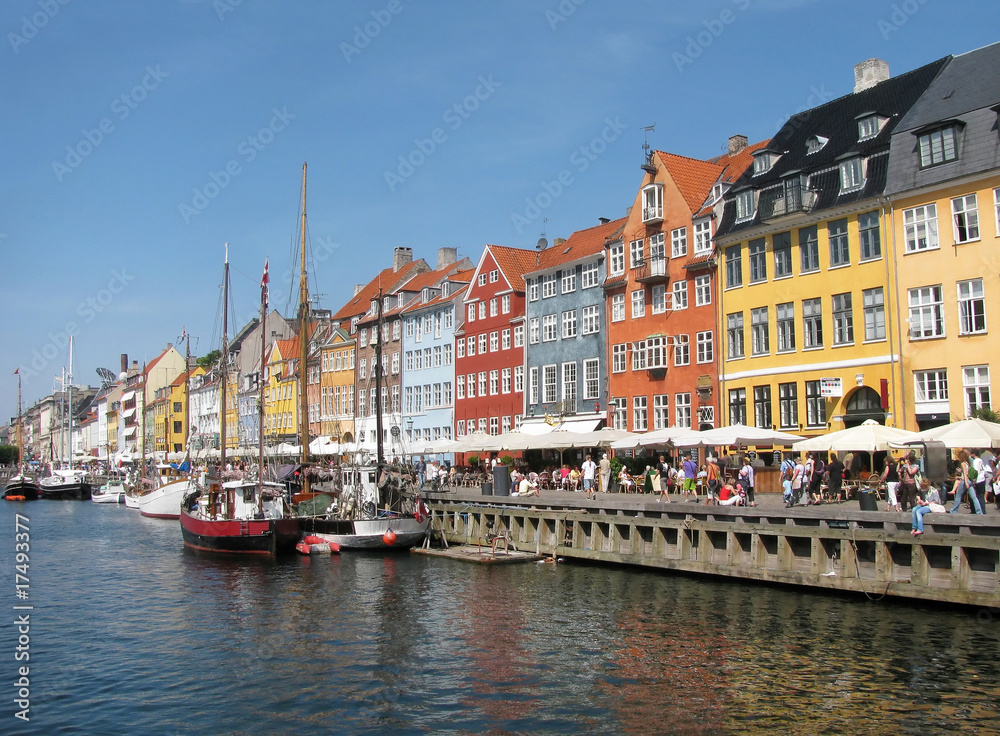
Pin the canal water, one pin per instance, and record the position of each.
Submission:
(129, 634)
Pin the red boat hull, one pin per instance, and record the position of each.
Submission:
(268, 537)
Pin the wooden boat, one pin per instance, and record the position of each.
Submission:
(20, 487)
(65, 484)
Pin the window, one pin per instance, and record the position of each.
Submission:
(682, 350)
(843, 319)
(494, 382)
(996, 205)
(363, 369)
(449, 319)
(620, 414)
(618, 308)
(840, 252)
(549, 384)
(589, 276)
(852, 175)
(737, 406)
(788, 405)
(734, 266)
(459, 350)
(639, 356)
(706, 353)
(702, 291)
(760, 337)
(494, 342)
(504, 306)
(494, 309)
(569, 385)
(758, 261)
(734, 335)
(437, 394)
(971, 307)
(505, 381)
(938, 146)
(762, 406)
(470, 385)
(482, 383)
(395, 330)
(548, 328)
(785, 322)
(505, 339)
(702, 237)
(395, 363)
(926, 312)
(657, 254)
(505, 424)
(682, 410)
(447, 354)
(639, 414)
(635, 253)
(782, 244)
(930, 386)
(661, 411)
(482, 344)
(482, 310)
(568, 281)
(965, 214)
(920, 227)
(616, 259)
(745, 206)
(976, 381)
(569, 323)
(459, 389)
(658, 299)
(656, 352)
(680, 295)
(638, 303)
(873, 301)
(618, 358)
(868, 127)
(808, 249)
(533, 331)
(762, 162)
(532, 385)
(868, 229)
(652, 203)
(519, 336)
(482, 279)
(548, 286)
(591, 320)
(591, 379)
(494, 276)
(679, 242)
(533, 290)
(812, 323)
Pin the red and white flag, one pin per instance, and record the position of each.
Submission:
(264, 281)
(17, 370)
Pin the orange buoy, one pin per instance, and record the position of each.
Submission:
(389, 538)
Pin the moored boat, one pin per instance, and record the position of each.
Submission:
(164, 502)
(240, 518)
(111, 492)
(20, 487)
(65, 484)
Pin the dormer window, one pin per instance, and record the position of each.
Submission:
(870, 125)
(815, 143)
(387, 303)
(746, 205)
(652, 203)
(852, 176)
(425, 295)
(446, 289)
(940, 145)
(763, 161)
(373, 307)
(717, 191)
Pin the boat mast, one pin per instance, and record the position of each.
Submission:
(224, 363)
(303, 342)
(187, 398)
(377, 370)
(260, 382)
(20, 428)
(69, 378)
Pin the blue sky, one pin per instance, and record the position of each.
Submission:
(138, 138)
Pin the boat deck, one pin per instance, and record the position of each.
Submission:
(480, 555)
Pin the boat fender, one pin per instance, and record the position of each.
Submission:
(313, 539)
(389, 538)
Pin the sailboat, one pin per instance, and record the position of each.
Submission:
(66, 483)
(20, 487)
(244, 516)
(373, 511)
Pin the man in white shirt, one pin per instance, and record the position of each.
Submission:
(589, 468)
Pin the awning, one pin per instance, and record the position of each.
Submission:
(129, 431)
(128, 395)
(128, 413)
(539, 425)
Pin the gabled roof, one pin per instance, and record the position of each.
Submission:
(513, 263)
(582, 243)
(148, 369)
(386, 281)
(695, 178)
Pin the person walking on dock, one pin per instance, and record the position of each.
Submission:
(589, 472)
(605, 474)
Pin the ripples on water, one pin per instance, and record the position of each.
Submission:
(131, 635)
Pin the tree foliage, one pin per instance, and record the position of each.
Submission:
(207, 361)
(8, 454)
(986, 414)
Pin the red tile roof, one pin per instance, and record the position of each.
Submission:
(580, 244)
(386, 280)
(514, 263)
(694, 177)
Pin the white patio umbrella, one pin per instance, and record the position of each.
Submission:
(736, 434)
(563, 440)
(868, 437)
(324, 445)
(974, 433)
(657, 438)
(477, 442)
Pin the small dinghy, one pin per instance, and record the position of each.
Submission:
(313, 545)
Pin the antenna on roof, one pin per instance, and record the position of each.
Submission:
(647, 150)
(542, 242)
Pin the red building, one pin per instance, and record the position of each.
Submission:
(489, 343)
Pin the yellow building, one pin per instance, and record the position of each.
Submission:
(281, 405)
(806, 302)
(944, 213)
(337, 386)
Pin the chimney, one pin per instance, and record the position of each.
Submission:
(869, 73)
(401, 257)
(446, 257)
(604, 220)
(357, 289)
(737, 143)
(124, 362)
(558, 241)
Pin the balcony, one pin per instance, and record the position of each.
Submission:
(650, 270)
(652, 215)
(787, 202)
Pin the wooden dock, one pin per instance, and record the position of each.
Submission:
(834, 547)
(481, 555)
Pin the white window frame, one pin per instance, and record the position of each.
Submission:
(852, 175)
(702, 237)
(590, 276)
(971, 307)
(619, 357)
(702, 291)
(617, 307)
(568, 282)
(930, 386)
(705, 347)
(591, 320)
(658, 299)
(926, 306)
(550, 383)
(640, 413)
(636, 253)
(679, 298)
(616, 259)
(638, 302)
(921, 228)
(682, 350)
(976, 385)
(548, 286)
(678, 242)
(549, 329)
(652, 202)
(965, 218)
(591, 379)
(569, 384)
(661, 411)
(568, 324)
(682, 410)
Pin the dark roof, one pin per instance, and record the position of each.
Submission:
(835, 121)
